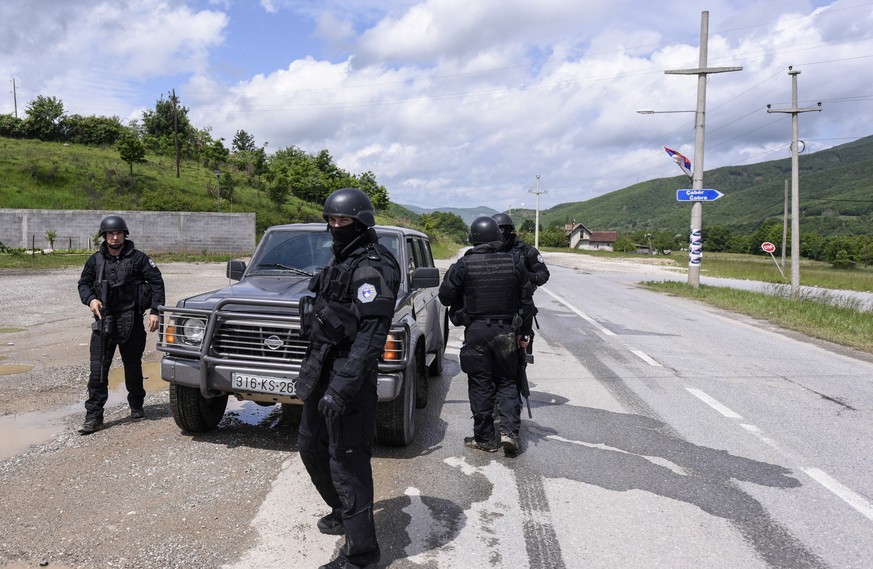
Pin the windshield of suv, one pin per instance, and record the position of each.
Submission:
(301, 252)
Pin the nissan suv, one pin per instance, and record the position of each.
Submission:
(244, 340)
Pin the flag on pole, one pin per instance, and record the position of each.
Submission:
(683, 162)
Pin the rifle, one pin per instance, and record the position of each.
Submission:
(101, 324)
(523, 386)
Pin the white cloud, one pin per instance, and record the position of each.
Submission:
(452, 102)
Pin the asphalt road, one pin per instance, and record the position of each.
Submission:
(664, 434)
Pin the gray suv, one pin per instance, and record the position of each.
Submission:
(244, 340)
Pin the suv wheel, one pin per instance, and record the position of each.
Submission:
(193, 412)
(395, 420)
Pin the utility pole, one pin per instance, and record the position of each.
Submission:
(176, 132)
(785, 225)
(795, 184)
(537, 222)
(695, 250)
(14, 97)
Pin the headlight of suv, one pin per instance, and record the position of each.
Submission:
(186, 331)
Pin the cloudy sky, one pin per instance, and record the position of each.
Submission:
(460, 102)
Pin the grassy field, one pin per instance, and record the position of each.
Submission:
(842, 325)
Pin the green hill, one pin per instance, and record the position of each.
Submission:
(836, 192)
(836, 197)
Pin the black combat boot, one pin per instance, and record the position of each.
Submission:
(91, 425)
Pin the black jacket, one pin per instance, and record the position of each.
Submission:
(125, 274)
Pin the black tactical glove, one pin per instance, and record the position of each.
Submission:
(331, 406)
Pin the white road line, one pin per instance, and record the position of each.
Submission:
(849, 497)
(578, 312)
(643, 356)
(760, 434)
(713, 403)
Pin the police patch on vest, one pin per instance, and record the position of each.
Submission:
(366, 293)
(540, 259)
(153, 264)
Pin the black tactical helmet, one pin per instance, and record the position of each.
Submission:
(503, 220)
(350, 202)
(113, 223)
(484, 230)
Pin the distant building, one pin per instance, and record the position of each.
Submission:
(580, 237)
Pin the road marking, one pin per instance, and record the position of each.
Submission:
(760, 434)
(713, 403)
(845, 494)
(643, 356)
(578, 312)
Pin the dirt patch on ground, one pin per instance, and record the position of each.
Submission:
(136, 494)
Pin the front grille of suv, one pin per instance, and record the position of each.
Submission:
(262, 342)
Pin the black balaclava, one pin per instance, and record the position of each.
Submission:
(343, 236)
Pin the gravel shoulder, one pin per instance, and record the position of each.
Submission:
(136, 494)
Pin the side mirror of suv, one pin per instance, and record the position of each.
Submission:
(235, 269)
(425, 277)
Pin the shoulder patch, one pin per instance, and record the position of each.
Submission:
(366, 293)
(152, 263)
(540, 259)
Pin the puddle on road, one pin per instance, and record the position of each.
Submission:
(12, 369)
(20, 431)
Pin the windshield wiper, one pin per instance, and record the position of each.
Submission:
(284, 268)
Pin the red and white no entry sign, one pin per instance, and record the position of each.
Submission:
(768, 247)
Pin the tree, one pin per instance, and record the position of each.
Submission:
(131, 149)
(623, 245)
(243, 142)
(159, 122)
(717, 239)
(94, 130)
(367, 183)
(215, 154)
(45, 116)
(12, 127)
(168, 130)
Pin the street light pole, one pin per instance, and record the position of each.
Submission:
(695, 250)
(795, 184)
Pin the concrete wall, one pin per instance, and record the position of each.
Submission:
(151, 231)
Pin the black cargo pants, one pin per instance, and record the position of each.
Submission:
(489, 359)
(127, 333)
(336, 455)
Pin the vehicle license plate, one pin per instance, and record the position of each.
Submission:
(263, 384)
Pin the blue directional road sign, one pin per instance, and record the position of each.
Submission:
(697, 195)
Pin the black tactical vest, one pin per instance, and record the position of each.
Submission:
(491, 287)
(334, 317)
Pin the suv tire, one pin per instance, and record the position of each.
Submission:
(193, 412)
(395, 420)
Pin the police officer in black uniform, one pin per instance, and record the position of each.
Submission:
(486, 292)
(347, 323)
(118, 284)
(533, 260)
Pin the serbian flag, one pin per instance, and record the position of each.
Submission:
(683, 162)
